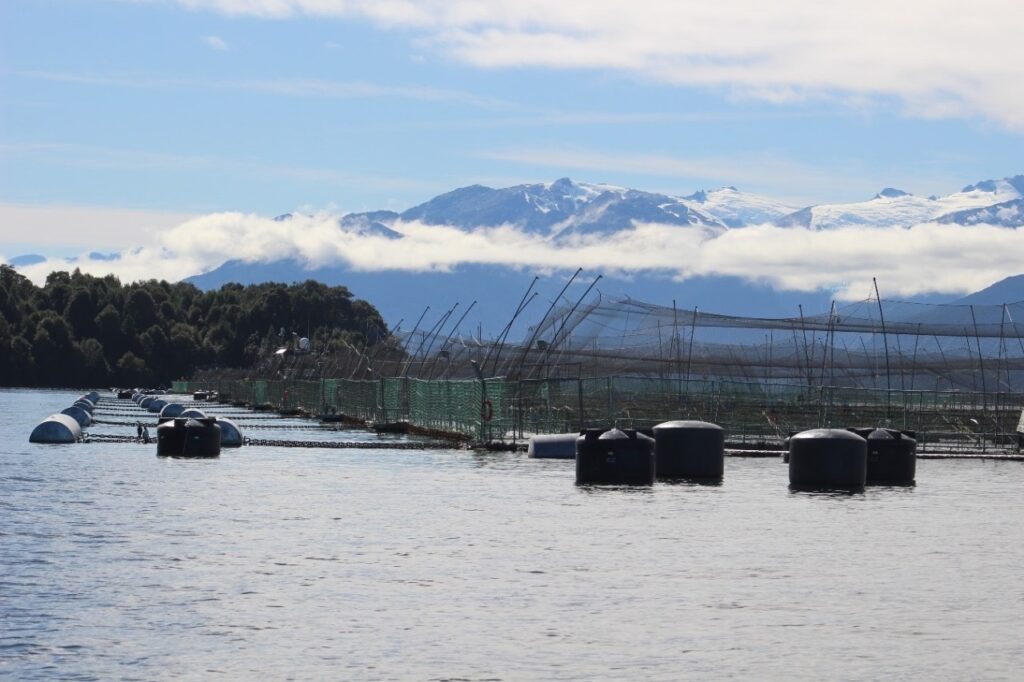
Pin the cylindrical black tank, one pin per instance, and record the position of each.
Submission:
(124, 395)
(614, 457)
(193, 413)
(689, 449)
(828, 458)
(199, 395)
(156, 406)
(93, 397)
(892, 457)
(182, 437)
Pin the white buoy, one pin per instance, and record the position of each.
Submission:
(57, 428)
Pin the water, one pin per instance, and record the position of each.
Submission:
(378, 564)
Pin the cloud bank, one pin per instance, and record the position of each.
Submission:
(925, 258)
(937, 58)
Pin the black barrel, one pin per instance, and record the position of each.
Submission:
(124, 395)
(828, 458)
(614, 458)
(689, 449)
(183, 437)
(892, 457)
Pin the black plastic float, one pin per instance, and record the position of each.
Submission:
(689, 449)
(614, 457)
(828, 458)
(185, 437)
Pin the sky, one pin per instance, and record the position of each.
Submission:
(121, 120)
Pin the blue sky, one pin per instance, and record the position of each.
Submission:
(113, 109)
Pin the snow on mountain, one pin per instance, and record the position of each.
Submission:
(563, 209)
(559, 209)
(373, 223)
(1006, 214)
(736, 209)
(896, 207)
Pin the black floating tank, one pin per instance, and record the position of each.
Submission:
(689, 449)
(614, 457)
(185, 437)
(828, 458)
(892, 457)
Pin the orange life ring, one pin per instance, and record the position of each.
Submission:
(488, 411)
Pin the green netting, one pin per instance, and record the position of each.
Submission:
(358, 398)
(498, 408)
(259, 392)
(446, 405)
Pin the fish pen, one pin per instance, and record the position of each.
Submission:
(952, 373)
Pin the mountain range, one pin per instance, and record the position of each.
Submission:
(562, 208)
(563, 211)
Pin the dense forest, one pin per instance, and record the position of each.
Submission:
(81, 330)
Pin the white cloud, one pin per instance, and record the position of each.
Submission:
(939, 58)
(216, 42)
(92, 227)
(922, 259)
(292, 87)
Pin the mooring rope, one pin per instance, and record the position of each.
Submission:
(283, 427)
(334, 445)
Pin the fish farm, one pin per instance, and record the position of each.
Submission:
(951, 374)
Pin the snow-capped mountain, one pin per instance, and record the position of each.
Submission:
(896, 207)
(734, 208)
(365, 224)
(558, 209)
(563, 209)
(1007, 214)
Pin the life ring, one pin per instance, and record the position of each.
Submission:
(488, 414)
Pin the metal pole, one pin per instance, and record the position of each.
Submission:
(523, 302)
(885, 341)
(689, 353)
(981, 362)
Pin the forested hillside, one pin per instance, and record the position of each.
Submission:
(80, 330)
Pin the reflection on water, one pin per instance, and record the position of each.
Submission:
(819, 491)
(392, 564)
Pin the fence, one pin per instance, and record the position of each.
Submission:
(751, 412)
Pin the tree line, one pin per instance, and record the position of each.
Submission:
(82, 330)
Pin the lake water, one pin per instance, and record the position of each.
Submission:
(278, 563)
